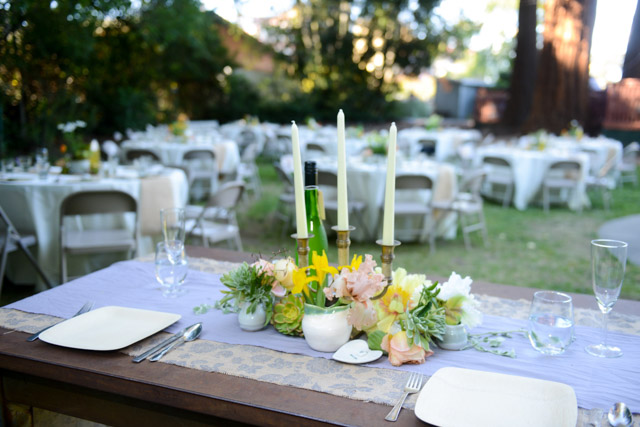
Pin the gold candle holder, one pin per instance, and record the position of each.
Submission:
(343, 242)
(303, 249)
(387, 257)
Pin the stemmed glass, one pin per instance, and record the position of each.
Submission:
(608, 263)
(173, 220)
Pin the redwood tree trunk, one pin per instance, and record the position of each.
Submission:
(631, 67)
(524, 67)
(562, 83)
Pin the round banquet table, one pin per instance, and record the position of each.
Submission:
(33, 206)
(171, 152)
(446, 140)
(366, 183)
(529, 168)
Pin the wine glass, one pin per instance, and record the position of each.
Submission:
(171, 270)
(608, 262)
(173, 223)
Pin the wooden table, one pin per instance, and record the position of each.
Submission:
(106, 387)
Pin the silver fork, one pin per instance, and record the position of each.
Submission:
(414, 383)
(86, 307)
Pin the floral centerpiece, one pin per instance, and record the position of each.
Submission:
(376, 144)
(433, 122)
(179, 127)
(576, 130)
(326, 304)
(74, 147)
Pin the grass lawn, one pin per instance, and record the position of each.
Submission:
(530, 248)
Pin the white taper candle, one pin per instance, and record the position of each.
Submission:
(301, 214)
(390, 189)
(343, 204)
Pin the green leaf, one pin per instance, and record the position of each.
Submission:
(375, 339)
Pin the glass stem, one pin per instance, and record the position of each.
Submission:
(605, 335)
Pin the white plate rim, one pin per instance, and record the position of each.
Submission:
(131, 326)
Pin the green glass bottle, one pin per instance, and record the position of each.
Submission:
(315, 211)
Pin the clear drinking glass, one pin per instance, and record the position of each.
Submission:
(171, 270)
(551, 322)
(608, 263)
(24, 163)
(173, 220)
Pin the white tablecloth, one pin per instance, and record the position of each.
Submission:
(33, 206)
(447, 140)
(529, 168)
(366, 183)
(171, 153)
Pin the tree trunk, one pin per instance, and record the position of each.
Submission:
(524, 67)
(562, 83)
(631, 67)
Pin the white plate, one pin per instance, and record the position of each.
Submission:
(108, 328)
(456, 397)
(356, 351)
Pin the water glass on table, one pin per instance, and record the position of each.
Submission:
(171, 270)
(173, 229)
(608, 264)
(551, 322)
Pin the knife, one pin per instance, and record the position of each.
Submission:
(160, 346)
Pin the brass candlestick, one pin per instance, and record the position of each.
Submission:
(387, 257)
(303, 249)
(343, 242)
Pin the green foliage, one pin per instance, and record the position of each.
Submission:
(374, 339)
(426, 320)
(249, 284)
(288, 314)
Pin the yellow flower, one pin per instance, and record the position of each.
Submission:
(301, 280)
(321, 266)
(355, 263)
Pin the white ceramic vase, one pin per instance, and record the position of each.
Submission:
(78, 167)
(251, 321)
(454, 338)
(326, 329)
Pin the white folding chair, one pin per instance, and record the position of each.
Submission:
(137, 153)
(417, 207)
(202, 173)
(216, 222)
(12, 241)
(286, 200)
(96, 240)
(328, 182)
(499, 177)
(561, 177)
(248, 170)
(628, 167)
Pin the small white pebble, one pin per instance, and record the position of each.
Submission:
(531, 245)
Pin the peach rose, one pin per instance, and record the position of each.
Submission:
(400, 352)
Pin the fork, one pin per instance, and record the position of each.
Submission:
(86, 307)
(414, 383)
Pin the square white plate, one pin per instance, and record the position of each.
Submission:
(108, 328)
(456, 397)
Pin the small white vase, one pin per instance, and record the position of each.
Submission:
(326, 329)
(251, 321)
(454, 338)
(78, 167)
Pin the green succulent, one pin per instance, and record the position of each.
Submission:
(287, 315)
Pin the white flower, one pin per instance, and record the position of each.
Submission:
(80, 123)
(455, 286)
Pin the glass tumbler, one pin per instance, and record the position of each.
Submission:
(551, 322)
(171, 270)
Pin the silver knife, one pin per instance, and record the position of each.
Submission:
(160, 346)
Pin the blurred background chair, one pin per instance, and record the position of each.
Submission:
(216, 221)
(603, 181)
(561, 178)
(84, 240)
(248, 170)
(328, 183)
(427, 146)
(11, 241)
(499, 181)
(131, 155)
(628, 167)
(286, 200)
(202, 173)
(412, 207)
(469, 206)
